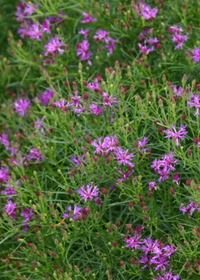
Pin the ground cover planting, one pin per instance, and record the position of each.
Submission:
(100, 140)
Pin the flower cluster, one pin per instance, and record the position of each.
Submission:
(145, 11)
(156, 254)
(176, 135)
(177, 37)
(190, 208)
(164, 166)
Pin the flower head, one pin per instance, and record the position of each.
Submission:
(89, 192)
(195, 103)
(22, 106)
(73, 214)
(176, 135)
(123, 158)
(53, 46)
(87, 18)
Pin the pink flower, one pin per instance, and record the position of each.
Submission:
(4, 175)
(196, 54)
(152, 186)
(95, 109)
(46, 26)
(195, 103)
(176, 178)
(35, 154)
(179, 39)
(21, 106)
(144, 49)
(46, 96)
(10, 208)
(53, 46)
(123, 158)
(4, 141)
(110, 45)
(73, 214)
(82, 51)
(89, 192)
(101, 35)
(133, 242)
(109, 100)
(190, 208)
(100, 145)
(164, 166)
(27, 214)
(85, 33)
(87, 18)
(176, 134)
(35, 32)
(149, 13)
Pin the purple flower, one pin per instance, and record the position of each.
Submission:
(27, 214)
(110, 44)
(144, 49)
(161, 263)
(39, 125)
(125, 175)
(20, 11)
(30, 9)
(190, 208)
(58, 19)
(98, 201)
(87, 18)
(53, 46)
(73, 214)
(93, 86)
(109, 100)
(35, 32)
(10, 208)
(149, 245)
(146, 11)
(46, 96)
(4, 141)
(89, 192)
(123, 158)
(149, 13)
(178, 91)
(85, 33)
(164, 166)
(35, 154)
(142, 143)
(167, 276)
(195, 103)
(152, 186)
(78, 161)
(61, 104)
(176, 135)
(95, 109)
(23, 30)
(82, 51)
(46, 26)
(3, 175)
(179, 39)
(21, 106)
(146, 260)
(133, 242)
(169, 250)
(101, 35)
(110, 143)
(8, 191)
(100, 145)
(176, 178)
(175, 29)
(196, 54)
